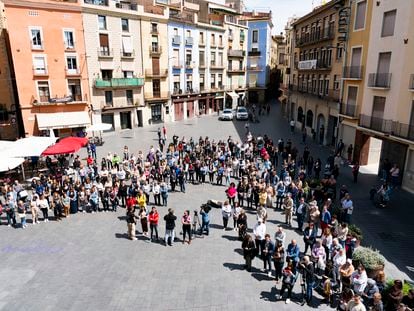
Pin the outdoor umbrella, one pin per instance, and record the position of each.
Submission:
(66, 145)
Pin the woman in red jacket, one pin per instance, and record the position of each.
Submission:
(231, 193)
(153, 220)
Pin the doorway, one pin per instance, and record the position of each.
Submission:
(125, 120)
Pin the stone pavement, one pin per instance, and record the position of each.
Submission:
(86, 262)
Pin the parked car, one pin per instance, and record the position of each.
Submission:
(242, 113)
(226, 114)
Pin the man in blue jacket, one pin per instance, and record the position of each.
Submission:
(292, 253)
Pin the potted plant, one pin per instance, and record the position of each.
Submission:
(371, 259)
(356, 232)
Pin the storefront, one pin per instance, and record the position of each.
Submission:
(63, 123)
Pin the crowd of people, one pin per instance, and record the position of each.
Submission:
(257, 173)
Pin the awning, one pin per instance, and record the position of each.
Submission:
(127, 44)
(233, 95)
(7, 164)
(59, 120)
(66, 145)
(26, 147)
(99, 127)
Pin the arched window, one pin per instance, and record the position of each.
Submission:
(300, 115)
(309, 118)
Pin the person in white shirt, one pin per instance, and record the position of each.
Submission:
(259, 232)
(226, 211)
(338, 260)
(280, 236)
(121, 174)
(359, 280)
(156, 190)
(347, 207)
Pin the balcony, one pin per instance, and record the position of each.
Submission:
(154, 30)
(328, 33)
(183, 17)
(201, 43)
(389, 127)
(41, 72)
(254, 68)
(411, 85)
(155, 50)
(97, 2)
(119, 83)
(348, 110)
(156, 95)
(177, 65)
(254, 53)
(73, 72)
(353, 72)
(236, 70)
(379, 80)
(176, 40)
(216, 66)
(150, 73)
(189, 41)
(105, 52)
(254, 85)
(127, 6)
(127, 55)
(189, 65)
(236, 53)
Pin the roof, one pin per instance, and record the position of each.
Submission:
(316, 11)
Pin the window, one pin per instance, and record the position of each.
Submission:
(188, 33)
(336, 82)
(309, 118)
(128, 74)
(220, 80)
(361, 8)
(213, 81)
(129, 97)
(36, 37)
(255, 36)
(201, 58)
(125, 24)
(43, 90)
(154, 28)
(213, 39)
(71, 64)
(127, 50)
(388, 23)
(69, 39)
(102, 22)
(39, 65)
(175, 31)
(104, 45)
(188, 59)
(339, 51)
(378, 108)
(154, 44)
(202, 77)
(176, 84)
(201, 39)
(156, 88)
(108, 98)
(189, 83)
(75, 90)
(106, 74)
(351, 100)
(242, 35)
(156, 112)
(213, 59)
(326, 85)
(220, 59)
(4, 115)
(220, 40)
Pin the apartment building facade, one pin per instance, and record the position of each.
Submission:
(258, 54)
(354, 72)
(116, 47)
(386, 117)
(48, 53)
(317, 72)
(9, 127)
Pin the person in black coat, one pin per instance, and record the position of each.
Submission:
(267, 252)
(170, 219)
(249, 251)
(308, 272)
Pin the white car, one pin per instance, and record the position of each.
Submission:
(241, 113)
(226, 114)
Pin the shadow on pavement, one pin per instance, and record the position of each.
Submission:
(269, 296)
(233, 266)
(238, 251)
(230, 237)
(262, 277)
